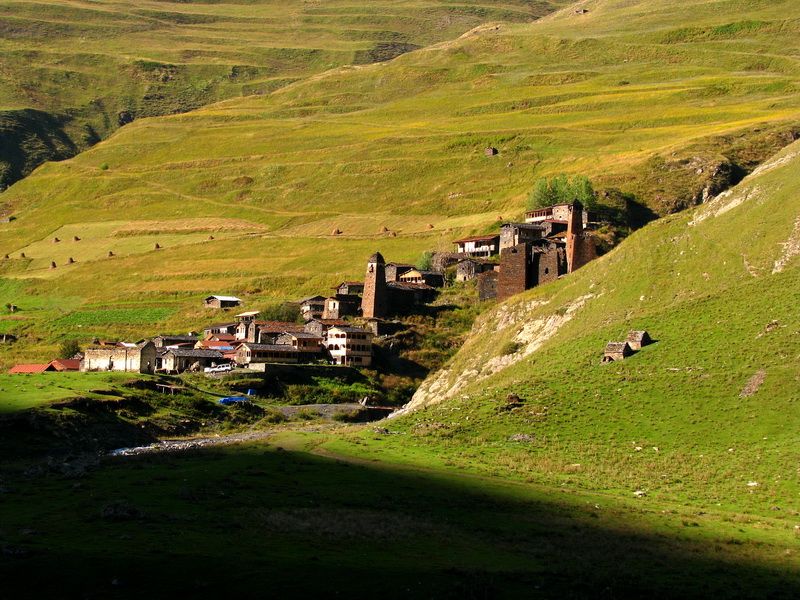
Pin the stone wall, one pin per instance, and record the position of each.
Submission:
(514, 277)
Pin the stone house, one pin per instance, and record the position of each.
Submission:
(468, 269)
(637, 339)
(132, 358)
(430, 278)
(514, 234)
(162, 341)
(351, 346)
(221, 302)
(247, 316)
(267, 332)
(178, 360)
(312, 307)
(350, 288)
(616, 351)
(481, 246)
(319, 327)
(220, 329)
(557, 212)
(249, 353)
(308, 345)
(541, 260)
(394, 270)
(382, 298)
(342, 305)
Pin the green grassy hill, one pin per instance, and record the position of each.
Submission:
(668, 103)
(72, 71)
(705, 416)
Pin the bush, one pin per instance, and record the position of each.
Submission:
(509, 348)
(68, 349)
(562, 189)
(287, 311)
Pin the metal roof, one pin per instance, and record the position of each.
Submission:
(224, 298)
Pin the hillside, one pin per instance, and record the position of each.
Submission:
(702, 416)
(400, 145)
(73, 71)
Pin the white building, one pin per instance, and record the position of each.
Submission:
(350, 346)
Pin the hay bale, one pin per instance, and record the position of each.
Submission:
(157, 246)
(71, 260)
(110, 254)
(52, 264)
(394, 234)
(499, 217)
(384, 229)
(22, 255)
(430, 226)
(75, 238)
(336, 231)
(6, 257)
(211, 237)
(56, 240)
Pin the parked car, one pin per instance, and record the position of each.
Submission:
(218, 369)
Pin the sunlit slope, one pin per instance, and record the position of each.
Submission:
(709, 408)
(68, 68)
(666, 102)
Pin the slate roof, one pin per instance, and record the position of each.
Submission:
(477, 238)
(617, 347)
(193, 353)
(270, 347)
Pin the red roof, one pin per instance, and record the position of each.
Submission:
(477, 238)
(29, 368)
(66, 364)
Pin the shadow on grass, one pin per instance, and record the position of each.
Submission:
(253, 521)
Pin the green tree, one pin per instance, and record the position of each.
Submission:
(68, 349)
(425, 261)
(562, 189)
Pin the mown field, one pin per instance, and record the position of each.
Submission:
(400, 146)
(71, 71)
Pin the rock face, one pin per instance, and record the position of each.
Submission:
(477, 364)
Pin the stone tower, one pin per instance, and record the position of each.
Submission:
(374, 302)
(574, 236)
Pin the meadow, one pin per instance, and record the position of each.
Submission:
(20, 392)
(391, 155)
(72, 71)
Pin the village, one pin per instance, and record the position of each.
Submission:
(340, 328)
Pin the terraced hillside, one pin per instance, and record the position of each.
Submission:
(72, 71)
(668, 103)
(705, 416)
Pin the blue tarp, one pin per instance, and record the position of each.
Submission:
(233, 400)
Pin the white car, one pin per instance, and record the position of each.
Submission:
(218, 369)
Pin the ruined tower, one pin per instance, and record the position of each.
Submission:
(374, 302)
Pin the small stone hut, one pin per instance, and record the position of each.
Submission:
(616, 351)
(637, 339)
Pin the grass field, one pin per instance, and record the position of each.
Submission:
(283, 510)
(400, 145)
(20, 392)
(72, 71)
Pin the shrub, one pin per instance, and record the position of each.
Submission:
(104, 167)
(510, 348)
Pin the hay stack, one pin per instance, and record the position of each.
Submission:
(384, 229)
(22, 255)
(430, 225)
(110, 254)
(336, 231)
(52, 264)
(75, 238)
(56, 240)
(157, 246)
(71, 260)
